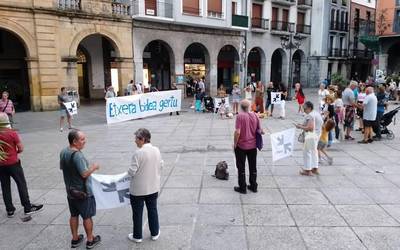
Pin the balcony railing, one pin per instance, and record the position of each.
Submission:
(339, 26)
(282, 26)
(288, 2)
(338, 53)
(240, 21)
(303, 28)
(304, 2)
(216, 14)
(191, 11)
(363, 54)
(69, 4)
(122, 9)
(259, 23)
(366, 27)
(161, 9)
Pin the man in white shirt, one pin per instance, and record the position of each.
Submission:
(139, 88)
(202, 85)
(370, 106)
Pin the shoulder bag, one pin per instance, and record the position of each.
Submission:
(73, 192)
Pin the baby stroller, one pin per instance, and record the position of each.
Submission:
(386, 121)
(208, 104)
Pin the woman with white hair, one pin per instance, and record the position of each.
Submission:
(145, 185)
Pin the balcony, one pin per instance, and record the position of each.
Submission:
(303, 29)
(71, 5)
(215, 14)
(304, 4)
(361, 54)
(366, 27)
(121, 9)
(259, 23)
(338, 26)
(284, 2)
(240, 21)
(281, 26)
(338, 53)
(161, 9)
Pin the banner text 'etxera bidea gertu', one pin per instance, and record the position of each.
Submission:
(126, 108)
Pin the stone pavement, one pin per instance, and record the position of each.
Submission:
(349, 206)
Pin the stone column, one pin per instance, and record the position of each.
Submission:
(383, 61)
(34, 84)
(138, 69)
(125, 72)
(268, 70)
(213, 76)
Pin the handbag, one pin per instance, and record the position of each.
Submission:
(301, 137)
(259, 139)
(74, 192)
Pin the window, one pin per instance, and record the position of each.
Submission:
(368, 15)
(191, 7)
(151, 7)
(234, 8)
(256, 15)
(215, 8)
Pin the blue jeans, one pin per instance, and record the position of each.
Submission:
(137, 203)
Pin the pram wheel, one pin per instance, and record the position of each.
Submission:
(390, 135)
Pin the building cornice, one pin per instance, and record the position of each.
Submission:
(66, 13)
(185, 28)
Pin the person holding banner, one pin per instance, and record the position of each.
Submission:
(78, 183)
(145, 185)
(62, 98)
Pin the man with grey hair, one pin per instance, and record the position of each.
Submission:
(247, 123)
(145, 185)
(370, 106)
(349, 104)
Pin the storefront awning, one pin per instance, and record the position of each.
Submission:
(371, 42)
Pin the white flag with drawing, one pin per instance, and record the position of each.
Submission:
(111, 191)
(282, 144)
(72, 107)
(276, 97)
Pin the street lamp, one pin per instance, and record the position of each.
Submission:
(290, 42)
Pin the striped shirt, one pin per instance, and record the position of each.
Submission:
(6, 108)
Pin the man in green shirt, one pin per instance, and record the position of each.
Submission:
(77, 177)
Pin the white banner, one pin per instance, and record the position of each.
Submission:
(72, 107)
(282, 144)
(276, 97)
(119, 109)
(111, 191)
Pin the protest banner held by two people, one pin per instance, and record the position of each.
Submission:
(119, 109)
(276, 97)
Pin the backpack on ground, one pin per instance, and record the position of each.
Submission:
(221, 171)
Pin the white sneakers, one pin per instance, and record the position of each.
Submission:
(157, 236)
(131, 238)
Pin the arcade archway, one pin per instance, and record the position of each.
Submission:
(228, 67)
(13, 70)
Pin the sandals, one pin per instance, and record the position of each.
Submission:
(306, 172)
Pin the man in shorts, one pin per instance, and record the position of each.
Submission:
(78, 183)
(62, 98)
(349, 105)
(370, 106)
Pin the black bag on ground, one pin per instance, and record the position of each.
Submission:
(221, 171)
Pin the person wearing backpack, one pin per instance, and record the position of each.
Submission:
(7, 106)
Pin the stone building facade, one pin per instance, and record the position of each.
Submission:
(50, 33)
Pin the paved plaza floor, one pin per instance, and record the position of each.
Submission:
(349, 206)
